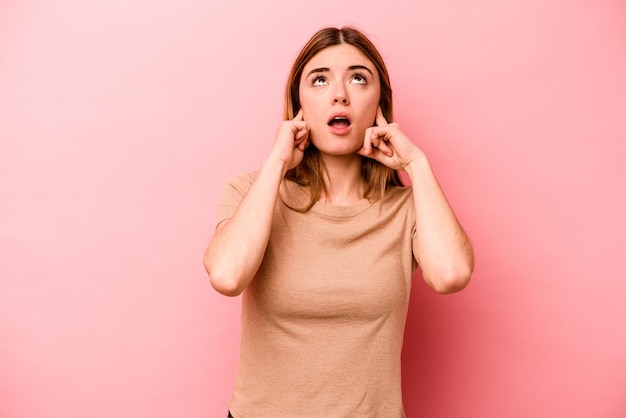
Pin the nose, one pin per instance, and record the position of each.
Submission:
(340, 95)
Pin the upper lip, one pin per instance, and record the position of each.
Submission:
(342, 115)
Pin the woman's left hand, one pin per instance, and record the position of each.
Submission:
(387, 144)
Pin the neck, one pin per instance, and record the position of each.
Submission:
(343, 180)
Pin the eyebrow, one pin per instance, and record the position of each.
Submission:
(352, 67)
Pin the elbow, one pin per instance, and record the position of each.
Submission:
(224, 286)
(452, 281)
(222, 281)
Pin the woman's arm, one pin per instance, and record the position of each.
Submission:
(441, 247)
(236, 250)
(238, 245)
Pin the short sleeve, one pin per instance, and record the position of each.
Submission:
(233, 192)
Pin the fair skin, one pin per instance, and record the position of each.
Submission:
(339, 95)
(340, 82)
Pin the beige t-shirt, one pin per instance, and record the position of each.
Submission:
(323, 319)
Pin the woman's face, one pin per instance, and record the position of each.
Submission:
(339, 95)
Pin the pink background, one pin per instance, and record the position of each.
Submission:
(121, 120)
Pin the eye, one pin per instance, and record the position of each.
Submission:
(319, 81)
(358, 79)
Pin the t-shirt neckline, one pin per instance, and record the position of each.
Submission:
(297, 196)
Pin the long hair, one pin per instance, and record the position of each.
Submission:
(310, 171)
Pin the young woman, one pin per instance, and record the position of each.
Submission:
(324, 239)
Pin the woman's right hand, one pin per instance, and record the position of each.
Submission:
(291, 140)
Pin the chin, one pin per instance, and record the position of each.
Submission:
(339, 151)
(337, 145)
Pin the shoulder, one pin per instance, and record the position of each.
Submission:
(241, 182)
(398, 201)
(232, 194)
(398, 195)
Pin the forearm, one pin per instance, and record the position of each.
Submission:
(237, 248)
(443, 250)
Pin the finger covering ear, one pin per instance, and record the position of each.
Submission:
(380, 118)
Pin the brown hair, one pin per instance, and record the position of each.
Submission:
(310, 171)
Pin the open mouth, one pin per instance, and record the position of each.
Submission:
(339, 121)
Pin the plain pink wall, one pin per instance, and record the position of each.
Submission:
(120, 122)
